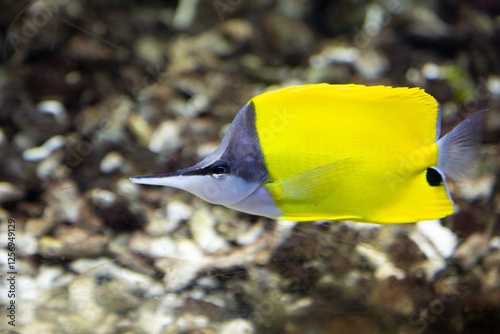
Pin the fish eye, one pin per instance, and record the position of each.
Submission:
(220, 170)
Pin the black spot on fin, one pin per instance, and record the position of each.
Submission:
(433, 177)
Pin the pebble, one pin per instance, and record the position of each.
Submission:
(299, 305)
(31, 295)
(94, 267)
(431, 71)
(178, 211)
(381, 261)
(240, 326)
(251, 234)
(116, 295)
(371, 64)
(10, 192)
(495, 242)
(479, 188)
(493, 85)
(23, 141)
(471, 250)
(42, 152)
(185, 14)
(338, 54)
(163, 246)
(154, 316)
(202, 226)
(26, 244)
(111, 162)
(82, 298)
(72, 242)
(55, 108)
(197, 104)
(284, 229)
(66, 200)
(182, 268)
(102, 198)
(52, 169)
(427, 23)
(127, 189)
(158, 226)
(40, 327)
(154, 247)
(141, 129)
(434, 240)
(166, 138)
(148, 49)
(46, 276)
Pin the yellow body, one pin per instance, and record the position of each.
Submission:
(351, 152)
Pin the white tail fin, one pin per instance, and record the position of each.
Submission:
(458, 149)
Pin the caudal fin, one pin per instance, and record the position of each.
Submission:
(458, 149)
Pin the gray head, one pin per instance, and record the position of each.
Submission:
(232, 175)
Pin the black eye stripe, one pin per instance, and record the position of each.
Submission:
(219, 170)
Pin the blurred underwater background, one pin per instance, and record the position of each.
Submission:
(93, 92)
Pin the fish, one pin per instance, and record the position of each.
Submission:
(335, 152)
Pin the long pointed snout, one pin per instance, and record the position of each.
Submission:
(182, 179)
(157, 180)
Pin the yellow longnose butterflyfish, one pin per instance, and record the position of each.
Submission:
(335, 152)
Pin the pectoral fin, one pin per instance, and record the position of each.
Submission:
(313, 184)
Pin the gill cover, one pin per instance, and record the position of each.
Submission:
(231, 176)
